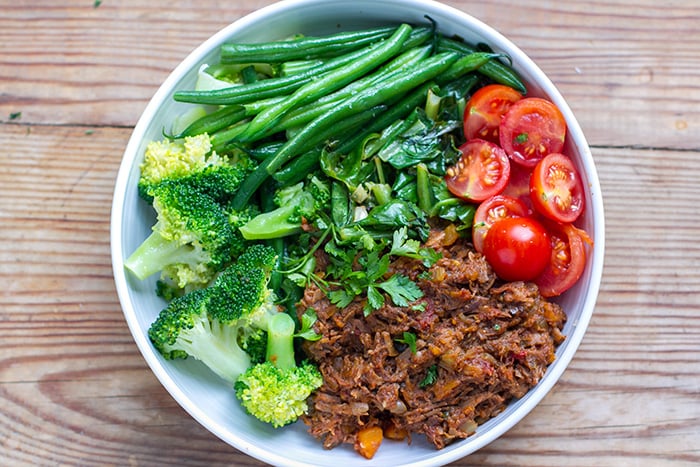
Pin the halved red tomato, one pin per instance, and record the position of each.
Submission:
(492, 210)
(568, 259)
(556, 189)
(517, 248)
(519, 185)
(482, 171)
(484, 111)
(531, 129)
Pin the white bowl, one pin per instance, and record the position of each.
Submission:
(207, 398)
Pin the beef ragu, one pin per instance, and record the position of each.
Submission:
(479, 343)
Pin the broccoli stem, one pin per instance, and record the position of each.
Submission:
(221, 353)
(154, 254)
(280, 341)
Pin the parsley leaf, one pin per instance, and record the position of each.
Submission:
(340, 298)
(401, 289)
(404, 246)
(409, 339)
(307, 322)
(375, 300)
(430, 377)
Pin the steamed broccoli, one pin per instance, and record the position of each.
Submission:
(195, 236)
(276, 390)
(297, 204)
(191, 240)
(215, 324)
(173, 159)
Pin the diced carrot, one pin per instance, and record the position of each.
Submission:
(395, 432)
(368, 441)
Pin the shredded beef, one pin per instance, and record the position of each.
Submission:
(485, 342)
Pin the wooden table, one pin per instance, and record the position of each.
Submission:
(74, 78)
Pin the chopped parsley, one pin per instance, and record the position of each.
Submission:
(410, 340)
(430, 376)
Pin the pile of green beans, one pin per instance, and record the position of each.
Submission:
(345, 86)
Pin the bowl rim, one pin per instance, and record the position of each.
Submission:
(524, 405)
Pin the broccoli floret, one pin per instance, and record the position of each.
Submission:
(187, 328)
(297, 204)
(195, 236)
(276, 390)
(220, 182)
(254, 342)
(168, 290)
(215, 324)
(173, 159)
(191, 240)
(243, 288)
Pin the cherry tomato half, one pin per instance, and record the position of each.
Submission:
(519, 186)
(568, 259)
(482, 171)
(556, 189)
(491, 211)
(531, 129)
(484, 111)
(517, 248)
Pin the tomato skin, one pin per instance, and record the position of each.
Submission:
(482, 171)
(519, 186)
(531, 129)
(491, 211)
(568, 259)
(517, 248)
(556, 189)
(485, 109)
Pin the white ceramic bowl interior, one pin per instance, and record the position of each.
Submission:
(211, 401)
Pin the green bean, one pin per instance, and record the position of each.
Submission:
(397, 84)
(424, 191)
(330, 82)
(215, 121)
(418, 36)
(347, 125)
(304, 114)
(250, 185)
(466, 64)
(267, 204)
(221, 139)
(304, 48)
(272, 87)
(495, 69)
(299, 168)
(254, 108)
(264, 151)
(249, 75)
(293, 67)
(396, 112)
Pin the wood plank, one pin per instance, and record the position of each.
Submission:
(75, 64)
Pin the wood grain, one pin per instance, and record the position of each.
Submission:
(73, 63)
(75, 391)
